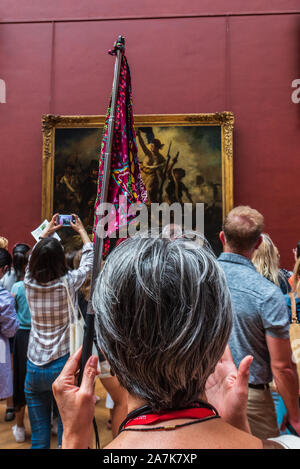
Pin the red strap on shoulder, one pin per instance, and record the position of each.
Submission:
(193, 413)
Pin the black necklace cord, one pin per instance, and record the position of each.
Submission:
(144, 410)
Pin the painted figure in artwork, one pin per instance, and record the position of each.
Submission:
(69, 185)
(152, 167)
(176, 188)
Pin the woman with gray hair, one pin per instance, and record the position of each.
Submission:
(163, 321)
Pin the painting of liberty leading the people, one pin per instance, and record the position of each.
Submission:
(182, 164)
(178, 164)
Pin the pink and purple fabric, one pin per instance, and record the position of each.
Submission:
(126, 184)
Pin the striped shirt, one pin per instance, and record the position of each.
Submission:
(48, 304)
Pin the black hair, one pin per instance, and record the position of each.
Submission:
(47, 261)
(20, 258)
(21, 247)
(5, 258)
(298, 249)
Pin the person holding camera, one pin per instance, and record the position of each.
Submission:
(45, 281)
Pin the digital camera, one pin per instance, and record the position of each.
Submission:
(65, 220)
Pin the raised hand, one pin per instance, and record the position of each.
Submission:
(80, 229)
(77, 224)
(51, 227)
(227, 390)
(76, 404)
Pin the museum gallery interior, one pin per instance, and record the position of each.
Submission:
(194, 105)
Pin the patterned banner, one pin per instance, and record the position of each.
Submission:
(125, 183)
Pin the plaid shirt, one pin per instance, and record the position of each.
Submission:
(48, 304)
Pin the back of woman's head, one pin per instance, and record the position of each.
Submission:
(164, 318)
(266, 259)
(20, 258)
(47, 261)
(5, 258)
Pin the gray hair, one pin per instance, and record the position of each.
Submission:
(163, 317)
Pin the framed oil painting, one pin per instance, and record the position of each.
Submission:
(183, 158)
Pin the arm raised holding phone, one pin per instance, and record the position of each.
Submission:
(79, 228)
(76, 224)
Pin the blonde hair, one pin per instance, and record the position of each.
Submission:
(266, 259)
(3, 242)
(296, 278)
(242, 227)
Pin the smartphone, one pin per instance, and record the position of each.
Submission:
(65, 220)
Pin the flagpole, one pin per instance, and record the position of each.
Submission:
(87, 345)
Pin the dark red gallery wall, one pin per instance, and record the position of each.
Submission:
(60, 10)
(185, 57)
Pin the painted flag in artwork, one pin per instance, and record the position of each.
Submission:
(125, 184)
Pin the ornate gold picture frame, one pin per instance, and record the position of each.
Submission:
(198, 148)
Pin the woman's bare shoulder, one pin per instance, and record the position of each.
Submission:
(208, 435)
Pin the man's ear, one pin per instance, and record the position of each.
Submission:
(258, 242)
(222, 237)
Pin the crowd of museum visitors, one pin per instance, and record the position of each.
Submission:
(184, 341)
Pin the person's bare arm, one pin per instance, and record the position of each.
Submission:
(285, 376)
(52, 227)
(143, 145)
(76, 225)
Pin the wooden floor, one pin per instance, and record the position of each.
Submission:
(7, 440)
